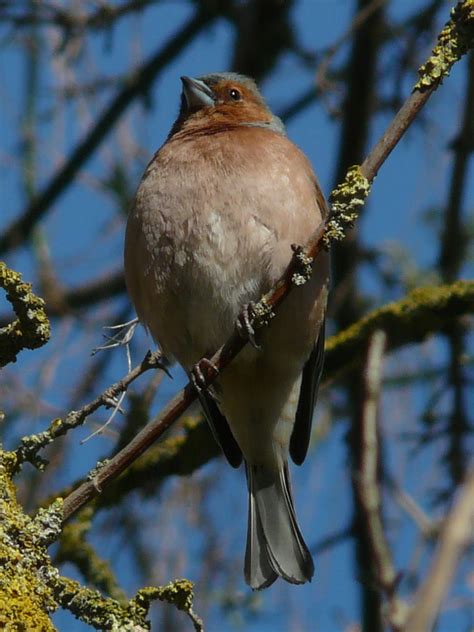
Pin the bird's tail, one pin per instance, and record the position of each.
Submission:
(275, 546)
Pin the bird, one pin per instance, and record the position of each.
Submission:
(213, 223)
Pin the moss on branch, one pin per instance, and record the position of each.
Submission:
(31, 587)
(26, 598)
(454, 41)
(346, 200)
(74, 547)
(421, 313)
(31, 328)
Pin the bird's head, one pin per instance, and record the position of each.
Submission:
(223, 100)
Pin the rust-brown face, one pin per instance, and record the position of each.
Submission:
(221, 100)
(233, 93)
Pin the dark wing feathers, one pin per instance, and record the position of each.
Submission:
(313, 368)
(220, 429)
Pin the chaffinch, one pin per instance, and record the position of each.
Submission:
(215, 215)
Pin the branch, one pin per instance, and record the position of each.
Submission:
(367, 487)
(136, 85)
(32, 444)
(421, 313)
(456, 534)
(346, 198)
(31, 329)
(103, 17)
(32, 587)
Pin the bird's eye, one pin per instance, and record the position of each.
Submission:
(235, 94)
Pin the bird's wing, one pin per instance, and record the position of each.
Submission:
(220, 429)
(313, 368)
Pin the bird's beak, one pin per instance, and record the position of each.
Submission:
(198, 95)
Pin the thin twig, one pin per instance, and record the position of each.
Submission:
(429, 528)
(31, 445)
(457, 533)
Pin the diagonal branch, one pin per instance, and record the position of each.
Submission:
(456, 534)
(421, 313)
(457, 36)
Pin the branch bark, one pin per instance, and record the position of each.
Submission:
(367, 483)
(456, 534)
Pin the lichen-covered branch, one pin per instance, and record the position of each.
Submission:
(25, 596)
(108, 614)
(31, 328)
(454, 41)
(74, 547)
(31, 587)
(30, 445)
(421, 313)
(458, 39)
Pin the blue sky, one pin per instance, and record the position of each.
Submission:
(412, 180)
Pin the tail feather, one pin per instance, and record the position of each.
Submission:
(258, 571)
(275, 546)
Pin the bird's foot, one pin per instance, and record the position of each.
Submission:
(244, 325)
(200, 373)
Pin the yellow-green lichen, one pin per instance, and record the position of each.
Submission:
(454, 41)
(422, 312)
(108, 614)
(31, 587)
(346, 199)
(179, 593)
(25, 567)
(31, 329)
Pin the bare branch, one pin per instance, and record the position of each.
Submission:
(456, 534)
(32, 444)
(367, 484)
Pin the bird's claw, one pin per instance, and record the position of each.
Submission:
(244, 325)
(198, 378)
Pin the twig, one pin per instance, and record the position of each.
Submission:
(347, 197)
(368, 489)
(457, 532)
(103, 17)
(31, 445)
(31, 328)
(429, 528)
(421, 313)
